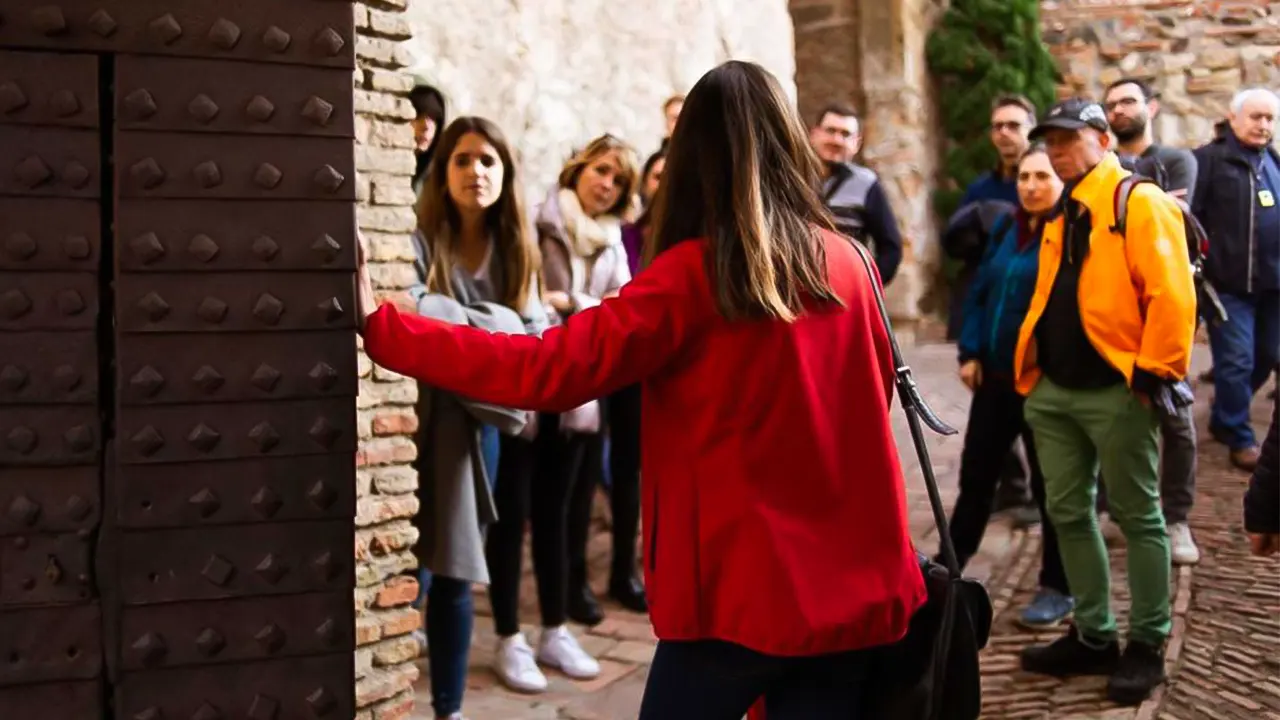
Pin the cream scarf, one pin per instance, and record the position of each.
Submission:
(587, 236)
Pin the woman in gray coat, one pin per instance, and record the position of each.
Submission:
(477, 265)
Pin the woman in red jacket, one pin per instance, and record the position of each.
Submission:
(775, 529)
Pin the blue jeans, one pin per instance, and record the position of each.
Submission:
(715, 680)
(1245, 350)
(450, 613)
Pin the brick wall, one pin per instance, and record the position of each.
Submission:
(385, 670)
(1197, 53)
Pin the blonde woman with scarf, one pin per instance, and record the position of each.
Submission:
(584, 261)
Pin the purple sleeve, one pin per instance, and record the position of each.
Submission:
(632, 240)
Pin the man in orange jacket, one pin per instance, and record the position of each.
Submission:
(1109, 327)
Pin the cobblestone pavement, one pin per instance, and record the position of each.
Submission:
(1226, 632)
(1223, 658)
(1227, 662)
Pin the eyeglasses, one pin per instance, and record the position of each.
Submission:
(1011, 125)
(1122, 102)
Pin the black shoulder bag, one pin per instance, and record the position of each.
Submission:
(932, 673)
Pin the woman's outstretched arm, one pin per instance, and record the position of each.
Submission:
(620, 342)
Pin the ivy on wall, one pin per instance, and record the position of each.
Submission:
(978, 50)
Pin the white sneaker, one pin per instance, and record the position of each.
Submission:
(516, 667)
(455, 716)
(1182, 546)
(557, 648)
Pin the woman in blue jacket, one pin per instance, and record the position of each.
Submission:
(993, 311)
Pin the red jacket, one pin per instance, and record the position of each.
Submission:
(774, 503)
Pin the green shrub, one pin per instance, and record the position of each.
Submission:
(979, 50)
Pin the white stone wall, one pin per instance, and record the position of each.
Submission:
(555, 73)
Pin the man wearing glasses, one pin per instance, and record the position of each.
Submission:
(1131, 105)
(990, 196)
(853, 192)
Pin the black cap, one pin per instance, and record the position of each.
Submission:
(1072, 114)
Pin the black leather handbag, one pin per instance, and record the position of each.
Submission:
(933, 672)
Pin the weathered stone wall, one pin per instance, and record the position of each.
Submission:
(385, 671)
(555, 73)
(827, 66)
(871, 53)
(902, 138)
(1197, 53)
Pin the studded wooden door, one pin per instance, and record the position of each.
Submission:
(177, 359)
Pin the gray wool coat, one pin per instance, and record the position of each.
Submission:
(456, 503)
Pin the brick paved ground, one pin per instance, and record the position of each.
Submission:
(1228, 660)
(1226, 635)
(1224, 654)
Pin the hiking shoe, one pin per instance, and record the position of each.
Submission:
(1246, 458)
(1048, 610)
(1182, 547)
(1141, 670)
(1072, 655)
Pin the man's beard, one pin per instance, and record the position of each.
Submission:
(1135, 129)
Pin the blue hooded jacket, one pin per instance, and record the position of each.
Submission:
(1000, 295)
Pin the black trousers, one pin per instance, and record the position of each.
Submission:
(623, 414)
(995, 421)
(717, 680)
(587, 469)
(535, 482)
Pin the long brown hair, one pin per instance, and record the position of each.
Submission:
(627, 161)
(440, 223)
(741, 173)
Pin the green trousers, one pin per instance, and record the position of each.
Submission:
(1076, 431)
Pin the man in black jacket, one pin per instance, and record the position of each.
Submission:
(1262, 501)
(852, 192)
(1237, 200)
(1131, 105)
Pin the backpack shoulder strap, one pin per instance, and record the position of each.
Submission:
(1001, 225)
(1120, 201)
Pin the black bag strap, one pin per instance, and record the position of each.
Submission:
(917, 411)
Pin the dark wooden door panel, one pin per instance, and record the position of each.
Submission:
(313, 688)
(314, 487)
(235, 561)
(157, 93)
(301, 32)
(62, 700)
(233, 302)
(177, 359)
(45, 644)
(48, 89)
(246, 630)
(189, 235)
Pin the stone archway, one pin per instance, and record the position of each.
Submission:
(871, 53)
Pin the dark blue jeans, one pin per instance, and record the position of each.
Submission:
(715, 680)
(451, 614)
(1245, 349)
